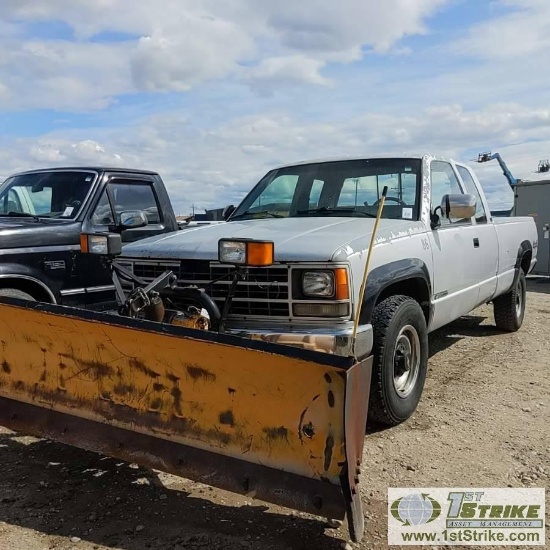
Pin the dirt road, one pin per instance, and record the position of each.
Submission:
(483, 422)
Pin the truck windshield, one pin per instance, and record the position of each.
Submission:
(341, 188)
(45, 194)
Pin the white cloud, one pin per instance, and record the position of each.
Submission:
(174, 45)
(58, 151)
(340, 27)
(499, 122)
(46, 154)
(523, 32)
(275, 72)
(61, 75)
(182, 55)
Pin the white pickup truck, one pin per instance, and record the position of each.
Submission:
(438, 254)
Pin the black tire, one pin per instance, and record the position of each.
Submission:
(16, 293)
(509, 309)
(396, 320)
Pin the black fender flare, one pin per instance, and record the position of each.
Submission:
(384, 276)
(524, 248)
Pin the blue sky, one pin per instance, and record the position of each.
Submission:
(212, 94)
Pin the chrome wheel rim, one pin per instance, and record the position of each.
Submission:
(406, 361)
(519, 300)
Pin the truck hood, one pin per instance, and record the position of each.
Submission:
(296, 239)
(27, 232)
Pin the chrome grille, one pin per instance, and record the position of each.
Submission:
(265, 290)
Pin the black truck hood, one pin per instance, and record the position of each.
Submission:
(28, 232)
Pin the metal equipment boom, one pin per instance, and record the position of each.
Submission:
(486, 157)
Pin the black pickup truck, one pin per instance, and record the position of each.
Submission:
(43, 213)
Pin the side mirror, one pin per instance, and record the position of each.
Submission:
(227, 211)
(132, 219)
(458, 207)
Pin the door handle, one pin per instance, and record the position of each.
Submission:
(476, 243)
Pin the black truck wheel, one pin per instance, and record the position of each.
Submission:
(16, 293)
(509, 309)
(400, 360)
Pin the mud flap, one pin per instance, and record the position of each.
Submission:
(277, 423)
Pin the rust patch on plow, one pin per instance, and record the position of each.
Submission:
(280, 433)
(227, 418)
(197, 373)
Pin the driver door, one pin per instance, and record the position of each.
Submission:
(119, 194)
(455, 282)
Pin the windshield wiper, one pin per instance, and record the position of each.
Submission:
(13, 214)
(327, 210)
(265, 212)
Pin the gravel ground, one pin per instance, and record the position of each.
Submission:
(482, 422)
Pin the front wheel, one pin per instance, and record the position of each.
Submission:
(509, 309)
(16, 293)
(400, 360)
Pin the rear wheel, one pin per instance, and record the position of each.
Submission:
(400, 359)
(509, 309)
(16, 293)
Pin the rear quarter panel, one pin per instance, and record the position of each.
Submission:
(512, 232)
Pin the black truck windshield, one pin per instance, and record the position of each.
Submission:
(350, 188)
(55, 194)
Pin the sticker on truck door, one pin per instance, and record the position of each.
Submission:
(407, 214)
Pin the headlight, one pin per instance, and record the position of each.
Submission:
(318, 283)
(231, 252)
(107, 244)
(245, 252)
(97, 244)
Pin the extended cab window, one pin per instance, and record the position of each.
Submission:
(341, 188)
(358, 191)
(471, 188)
(121, 195)
(444, 182)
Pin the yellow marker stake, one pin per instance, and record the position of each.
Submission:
(365, 273)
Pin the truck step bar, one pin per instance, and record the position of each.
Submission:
(277, 423)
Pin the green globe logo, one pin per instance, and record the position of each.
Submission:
(415, 509)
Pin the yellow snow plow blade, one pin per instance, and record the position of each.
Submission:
(281, 424)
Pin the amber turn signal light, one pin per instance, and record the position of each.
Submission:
(342, 283)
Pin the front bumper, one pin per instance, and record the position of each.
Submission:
(337, 342)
